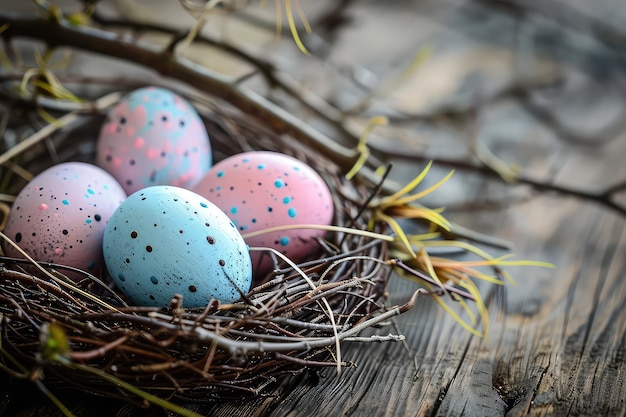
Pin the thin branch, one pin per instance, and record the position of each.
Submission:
(602, 198)
(266, 68)
(613, 189)
(241, 347)
(119, 46)
(47, 130)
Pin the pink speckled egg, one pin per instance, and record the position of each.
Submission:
(154, 137)
(259, 190)
(60, 216)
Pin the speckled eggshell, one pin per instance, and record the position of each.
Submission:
(165, 240)
(259, 190)
(154, 137)
(60, 216)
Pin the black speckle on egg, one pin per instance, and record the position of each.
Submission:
(152, 297)
(222, 262)
(133, 234)
(18, 237)
(210, 239)
(65, 232)
(192, 288)
(127, 260)
(181, 123)
(129, 182)
(132, 162)
(122, 120)
(97, 217)
(148, 248)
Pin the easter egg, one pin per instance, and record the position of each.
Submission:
(154, 137)
(60, 216)
(260, 190)
(166, 240)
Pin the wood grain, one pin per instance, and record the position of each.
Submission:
(556, 345)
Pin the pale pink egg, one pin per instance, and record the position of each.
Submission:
(60, 216)
(260, 190)
(154, 137)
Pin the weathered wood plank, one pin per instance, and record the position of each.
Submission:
(558, 347)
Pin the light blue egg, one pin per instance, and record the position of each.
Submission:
(165, 240)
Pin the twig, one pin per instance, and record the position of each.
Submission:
(266, 68)
(61, 33)
(47, 130)
(376, 338)
(242, 347)
(602, 198)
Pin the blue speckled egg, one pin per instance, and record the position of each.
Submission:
(165, 240)
(260, 190)
(60, 216)
(154, 137)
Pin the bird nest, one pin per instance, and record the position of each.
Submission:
(83, 335)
